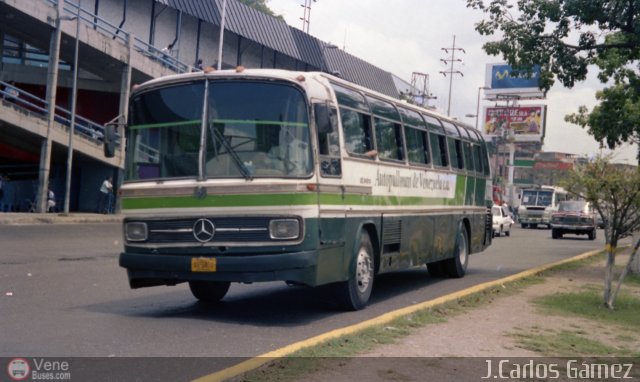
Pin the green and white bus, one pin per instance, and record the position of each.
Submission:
(264, 175)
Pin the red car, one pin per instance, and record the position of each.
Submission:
(575, 217)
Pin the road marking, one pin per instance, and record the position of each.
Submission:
(260, 360)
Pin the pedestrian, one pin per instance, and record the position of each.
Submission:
(51, 201)
(199, 65)
(167, 51)
(106, 190)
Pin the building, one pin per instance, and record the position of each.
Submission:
(122, 43)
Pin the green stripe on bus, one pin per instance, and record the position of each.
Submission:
(164, 124)
(219, 201)
(286, 200)
(230, 121)
(253, 122)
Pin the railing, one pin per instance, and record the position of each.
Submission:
(26, 101)
(71, 9)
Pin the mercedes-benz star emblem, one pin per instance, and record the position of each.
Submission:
(203, 230)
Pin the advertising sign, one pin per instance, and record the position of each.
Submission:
(522, 123)
(503, 80)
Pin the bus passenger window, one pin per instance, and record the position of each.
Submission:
(417, 146)
(477, 156)
(389, 140)
(468, 157)
(357, 131)
(439, 149)
(455, 153)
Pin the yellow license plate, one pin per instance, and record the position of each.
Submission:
(203, 264)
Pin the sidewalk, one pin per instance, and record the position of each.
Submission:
(513, 327)
(26, 218)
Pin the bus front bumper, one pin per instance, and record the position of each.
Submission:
(145, 270)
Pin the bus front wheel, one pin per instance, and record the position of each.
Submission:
(209, 291)
(354, 293)
(456, 267)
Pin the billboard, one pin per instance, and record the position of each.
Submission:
(503, 80)
(523, 123)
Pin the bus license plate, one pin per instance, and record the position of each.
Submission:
(203, 264)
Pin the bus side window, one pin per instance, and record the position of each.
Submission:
(357, 132)
(485, 160)
(417, 146)
(389, 140)
(455, 153)
(477, 156)
(468, 157)
(328, 141)
(439, 149)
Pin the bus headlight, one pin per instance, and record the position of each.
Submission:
(284, 229)
(135, 231)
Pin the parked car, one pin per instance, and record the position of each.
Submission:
(502, 221)
(575, 217)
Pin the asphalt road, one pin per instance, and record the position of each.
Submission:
(64, 295)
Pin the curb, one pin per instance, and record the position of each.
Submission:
(260, 360)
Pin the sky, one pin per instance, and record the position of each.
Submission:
(406, 36)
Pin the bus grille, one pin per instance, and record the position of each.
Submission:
(227, 229)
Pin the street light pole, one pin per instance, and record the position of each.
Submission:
(74, 100)
(478, 105)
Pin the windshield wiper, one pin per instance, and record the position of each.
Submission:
(216, 134)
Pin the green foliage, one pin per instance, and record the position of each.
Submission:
(565, 343)
(587, 304)
(260, 5)
(566, 37)
(613, 190)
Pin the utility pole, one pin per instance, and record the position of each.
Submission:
(420, 89)
(52, 84)
(306, 19)
(450, 60)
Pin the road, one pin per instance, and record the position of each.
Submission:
(63, 294)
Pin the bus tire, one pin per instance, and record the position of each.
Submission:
(209, 291)
(354, 293)
(456, 267)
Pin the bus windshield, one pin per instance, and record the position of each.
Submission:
(253, 129)
(536, 198)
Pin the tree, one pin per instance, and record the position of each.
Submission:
(566, 38)
(614, 192)
(260, 5)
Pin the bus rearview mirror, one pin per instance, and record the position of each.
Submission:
(323, 120)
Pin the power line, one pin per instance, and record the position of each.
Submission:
(451, 59)
(420, 89)
(306, 18)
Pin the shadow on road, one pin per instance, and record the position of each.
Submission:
(261, 304)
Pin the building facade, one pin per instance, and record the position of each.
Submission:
(121, 43)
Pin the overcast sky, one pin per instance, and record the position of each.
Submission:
(406, 36)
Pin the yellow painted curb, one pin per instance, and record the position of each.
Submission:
(260, 360)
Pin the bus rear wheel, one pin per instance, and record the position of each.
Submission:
(456, 267)
(354, 293)
(209, 291)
